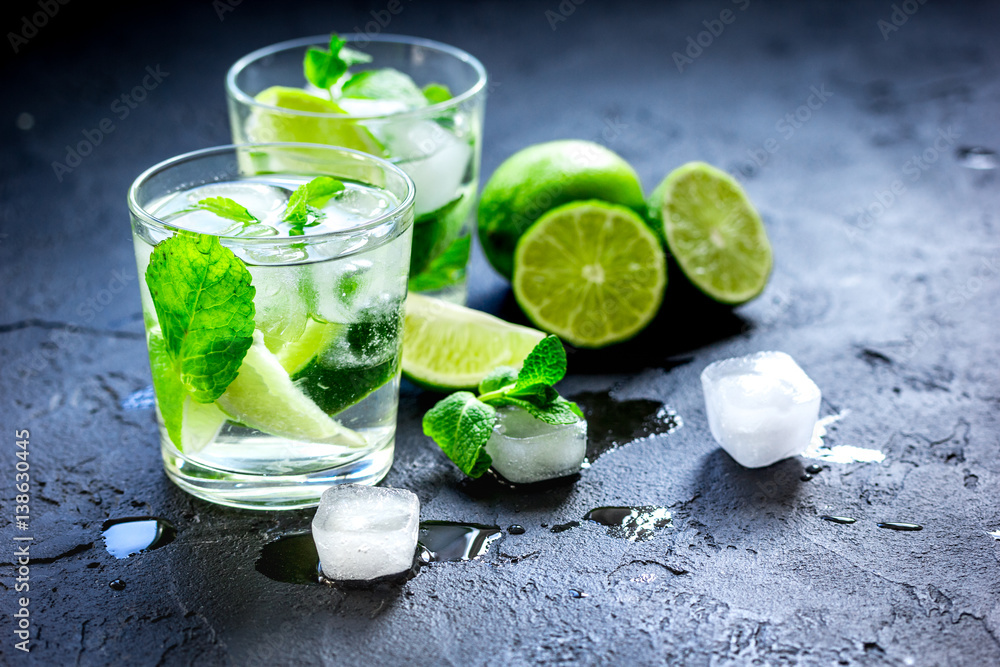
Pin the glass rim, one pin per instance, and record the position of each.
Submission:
(149, 219)
(463, 56)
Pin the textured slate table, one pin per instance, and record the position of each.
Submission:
(846, 132)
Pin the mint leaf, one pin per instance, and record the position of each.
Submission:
(461, 425)
(170, 393)
(446, 269)
(203, 298)
(545, 365)
(556, 412)
(305, 200)
(498, 378)
(384, 84)
(435, 93)
(224, 207)
(324, 67)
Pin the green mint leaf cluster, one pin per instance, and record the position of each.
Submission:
(323, 68)
(445, 269)
(303, 210)
(462, 423)
(435, 93)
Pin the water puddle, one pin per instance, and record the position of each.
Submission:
(612, 423)
(293, 558)
(635, 524)
(133, 535)
(838, 453)
(143, 399)
(977, 157)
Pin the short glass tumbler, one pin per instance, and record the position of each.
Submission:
(437, 145)
(273, 280)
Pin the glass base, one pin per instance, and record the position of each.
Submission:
(273, 492)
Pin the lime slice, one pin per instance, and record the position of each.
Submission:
(590, 272)
(713, 232)
(263, 397)
(539, 178)
(448, 347)
(274, 125)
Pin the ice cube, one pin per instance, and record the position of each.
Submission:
(526, 450)
(357, 106)
(365, 532)
(761, 408)
(433, 157)
(281, 308)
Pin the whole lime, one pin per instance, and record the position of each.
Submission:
(541, 177)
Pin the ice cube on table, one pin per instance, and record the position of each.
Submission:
(365, 532)
(761, 408)
(433, 157)
(526, 450)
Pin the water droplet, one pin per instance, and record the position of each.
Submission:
(450, 541)
(575, 593)
(806, 478)
(814, 469)
(635, 524)
(133, 535)
(516, 529)
(93, 565)
(117, 585)
(563, 527)
(845, 520)
(900, 525)
(977, 157)
(143, 399)
(612, 423)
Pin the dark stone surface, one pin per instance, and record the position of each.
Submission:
(895, 317)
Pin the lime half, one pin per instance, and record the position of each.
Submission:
(307, 127)
(590, 272)
(263, 397)
(448, 347)
(713, 232)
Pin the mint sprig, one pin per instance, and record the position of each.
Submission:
(203, 298)
(303, 210)
(323, 68)
(462, 423)
(224, 207)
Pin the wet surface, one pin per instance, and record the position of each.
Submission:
(612, 423)
(131, 536)
(885, 289)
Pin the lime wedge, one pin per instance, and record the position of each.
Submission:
(448, 347)
(590, 272)
(263, 397)
(296, 354)
(713, 232)
(200, 424)
(274, 125)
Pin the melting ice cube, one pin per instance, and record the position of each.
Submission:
(525, 449)
(365, 532)
(761, 407)
(433, 157)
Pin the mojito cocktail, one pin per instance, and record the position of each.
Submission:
(416, 103)
(273, 279)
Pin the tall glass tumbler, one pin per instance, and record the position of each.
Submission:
(273, 282)
(438, 145)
